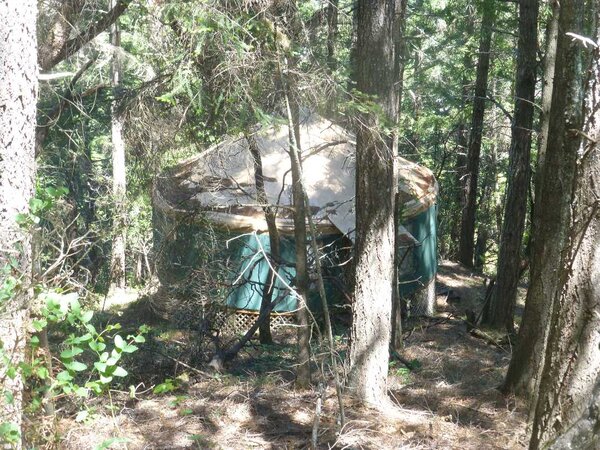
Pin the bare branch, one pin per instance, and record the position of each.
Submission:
(71, 46)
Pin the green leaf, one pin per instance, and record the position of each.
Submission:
(9, 433)
(105, 380)
(119, 342)
(86, 316)
(129, 348)
(70, 353)
(82, 339)
(9, 397)
(75, 366)
(139, 339)
(100, 366)
(107, 443)
(112, 361)
(120, 372)
(42, 373)
(97, 346)
(39, 325)
(11, 372)
(64, 376)
(81, 392)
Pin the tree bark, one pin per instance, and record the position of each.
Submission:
(504, 298)
(376, 186)
(117, 265)
(568, 397)
(555, 178)
(18, 97)
(467, 234)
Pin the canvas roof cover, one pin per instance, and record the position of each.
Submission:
(220, 180)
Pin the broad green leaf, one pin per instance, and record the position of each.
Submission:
(97, 346)
(100, 366)
(39, 325)
(75, 366)
(119, 342)
(129, 348)
(120, 372)
(64, 376)
(42, 373)
(70, 353)
(87, 316)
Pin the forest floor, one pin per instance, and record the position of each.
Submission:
(450, 401)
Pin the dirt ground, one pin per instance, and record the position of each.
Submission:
(448, 401)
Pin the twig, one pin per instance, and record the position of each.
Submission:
(318, 407)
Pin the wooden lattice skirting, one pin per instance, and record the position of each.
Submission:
(238, 321)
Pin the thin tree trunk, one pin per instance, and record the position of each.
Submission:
(467, 234)
(274, 243)
(504, 298)
(303, 367)
(18, 97)
(399, 65)
(117, 272)
(376, 186)
(553, 190)
(569, 396)
(303, 375)
(332, 34)
(462, 136)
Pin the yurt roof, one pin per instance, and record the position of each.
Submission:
(220, 181)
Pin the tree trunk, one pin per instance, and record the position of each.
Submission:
(462, 137)
(467, 234)
(274, 252)
(117, 265)
(376, 186)
(553, 191)
(18, 97)
(569, 397)
(303, 368)
(399, 65)
(332, 33)
(504, 298)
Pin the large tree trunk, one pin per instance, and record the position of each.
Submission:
(18, 97)
(569, 395)
(376, 185)
(505, 294)
(117, 264)
(467, 234)
(553, 191)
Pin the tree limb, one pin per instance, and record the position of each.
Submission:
(71, 46)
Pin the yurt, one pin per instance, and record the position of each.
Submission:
(210, 228)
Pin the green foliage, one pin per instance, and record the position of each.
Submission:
(101, 350)
(107, 444)
(169, 385)
(9, 433)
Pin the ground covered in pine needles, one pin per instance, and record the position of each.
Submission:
(448, 400)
